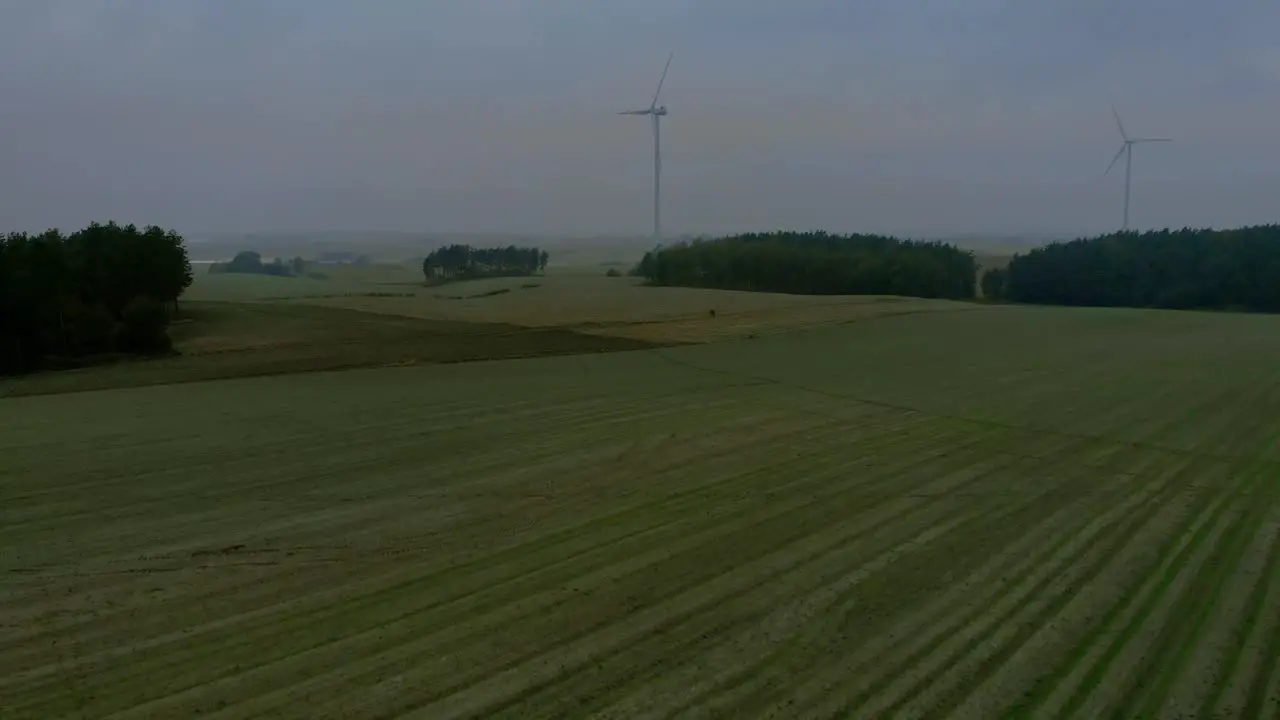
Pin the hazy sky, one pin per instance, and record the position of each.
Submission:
(907, 116)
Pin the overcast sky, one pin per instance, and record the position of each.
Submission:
(905, 116)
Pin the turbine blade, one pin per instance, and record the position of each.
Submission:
(1142, 140)
(636, 112)
(1116, 113)
(1116, 159)
(663, 79)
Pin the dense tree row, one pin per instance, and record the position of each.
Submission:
(1182, 269)
(250, 263)
(815, 264)
(104, 289)
(463, 262)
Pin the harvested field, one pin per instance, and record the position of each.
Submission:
(229, 340)
(593, 304)
(1019, 512)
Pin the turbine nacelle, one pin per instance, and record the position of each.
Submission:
(661, 110)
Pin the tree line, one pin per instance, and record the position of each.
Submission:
(1175, 269)
(463, 262)
(250, 262)
(815, 263)
(104, 289)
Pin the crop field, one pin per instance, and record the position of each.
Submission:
(230, 340)
(251, 325)
(1004, 512)
(570, 299)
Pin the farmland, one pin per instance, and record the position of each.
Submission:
(250, 325)
(961, 511)
(571, 299)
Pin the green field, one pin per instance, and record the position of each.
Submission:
(573, 298)
(250, 325)
(1000, 511)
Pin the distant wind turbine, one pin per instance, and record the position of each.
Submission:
(1126, 150)
(656, 111)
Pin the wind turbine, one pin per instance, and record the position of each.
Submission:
(1126, 149)
(656, 111)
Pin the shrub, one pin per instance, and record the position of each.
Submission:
(143, 328)
(993, 282)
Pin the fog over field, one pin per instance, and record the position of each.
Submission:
(923, 118)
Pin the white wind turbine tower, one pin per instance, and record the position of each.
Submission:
(656, 111)
(1126, 149)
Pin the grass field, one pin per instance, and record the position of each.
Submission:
(1004, 512)
(577, 299)
(230, 340)
(251, 325)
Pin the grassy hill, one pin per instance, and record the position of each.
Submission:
(1038, 512)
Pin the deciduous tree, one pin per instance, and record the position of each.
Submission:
(71, 297)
